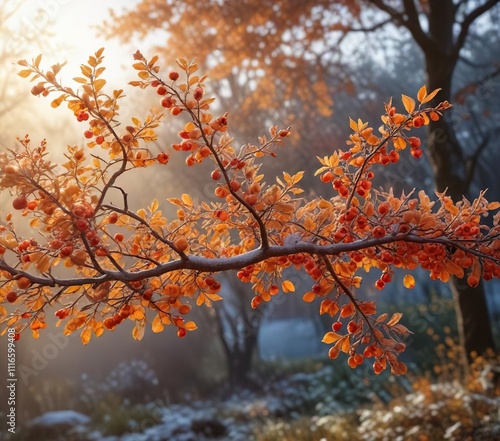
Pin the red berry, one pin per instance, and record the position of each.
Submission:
(167, 102)
(11, 296)
(20, 203)
(337, 326)
(414, 142)
(99, 140)
(198, 93)
(161, 90)
(417, 153)
(173, 75)
(418, 122)
(88, 134)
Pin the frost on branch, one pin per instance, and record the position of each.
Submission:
(139, 266)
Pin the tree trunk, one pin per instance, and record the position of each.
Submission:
(449, 166)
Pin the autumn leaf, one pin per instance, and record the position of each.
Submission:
(287, 286)
(409, 281)
(408, 103)
(330, 337)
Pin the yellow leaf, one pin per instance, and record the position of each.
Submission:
(99, 84)
(331, 337)
(154, 206)
(287, 286)
(57, 102)
(493, 205)
(200, 300)
(409, 103)
(409, 281)
(430, 96)
(86, 335)
(80, 80)
(144, 75)
(309, 297)
(141, 213)
(190, 326)
(43, 264)
(422, 93)
(24, 73)
(37, 60)
(394, 319)
(399, 143)
(175, 201)
(138, 331)
(3, 311)
(86, 70)
(346, 345)
(139, 66)
(187, 200)
(297, 177)
(353, 125)
(157, 325)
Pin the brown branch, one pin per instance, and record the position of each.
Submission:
(214, 265)
(467, 23)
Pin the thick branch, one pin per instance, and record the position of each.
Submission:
(212, 265)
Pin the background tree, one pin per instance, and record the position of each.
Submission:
(135, 264)
(282, 53)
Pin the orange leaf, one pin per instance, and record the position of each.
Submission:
(409, 281)
(409, 103)
(309, 297)
(331, 337)
(157, 325)
(86, 335)
(287, 286)
(394, 319)
(430, 96)
(422, 93)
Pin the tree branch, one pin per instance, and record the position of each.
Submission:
(467, 23)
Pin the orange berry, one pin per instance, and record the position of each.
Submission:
(109, 323)
(216, 175)
(181, 243)
(327, 177)
(119, 237)
(205, 151)
(147, 294)
(235, 185)
(163, 158)
(23, 282)
(256, 301)
(113, 218)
